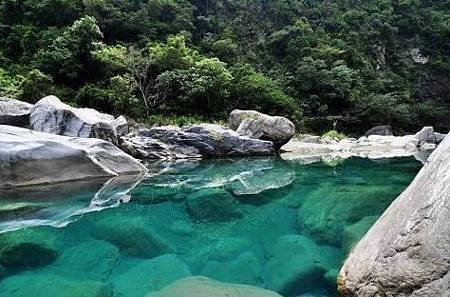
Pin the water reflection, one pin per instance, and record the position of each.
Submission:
(60, 204)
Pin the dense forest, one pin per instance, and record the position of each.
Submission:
(350, 63)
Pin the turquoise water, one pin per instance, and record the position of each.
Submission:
(262, 221)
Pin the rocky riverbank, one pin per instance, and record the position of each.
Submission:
(407, 251)
(308, 149)
(68, 143)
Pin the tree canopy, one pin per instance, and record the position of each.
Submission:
(359, 63)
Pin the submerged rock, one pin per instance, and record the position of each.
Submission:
(44, 285)
(278, 130)
(297, 264)
(92, 260)
(149, 275)
(196, 141)
(213, 205)
(49, 205)
(14, 112)
(133, 236)
(199, 286)
(52, 116)
(407, 251)
(30, 158)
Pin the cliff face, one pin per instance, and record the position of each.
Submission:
(407, 251)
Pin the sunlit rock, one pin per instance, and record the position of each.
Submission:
(29, 158)
(407, 251)
(278, 130)
(52, 116)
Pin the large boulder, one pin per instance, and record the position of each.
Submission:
(380, 130)
(254, 124)
(196, 141)
(14, 112)
(52, 116)
(407, 251)
(30, 158)
(199, 286)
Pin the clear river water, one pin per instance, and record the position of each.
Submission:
(265, 222)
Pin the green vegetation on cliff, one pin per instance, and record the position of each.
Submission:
(354, 63)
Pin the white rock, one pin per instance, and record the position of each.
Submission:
(52, 116)
(407, 251)
(28, 158)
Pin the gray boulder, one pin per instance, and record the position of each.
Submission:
(28, 158)
(257, 125)
(52, 116)
(14, 112)
(196, 141)
(407, 251)
(380, 130)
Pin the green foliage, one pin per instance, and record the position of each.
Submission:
(312, 61)
(335, 135)
(35, 86)
(10, 84)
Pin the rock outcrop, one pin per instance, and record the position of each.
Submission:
(29, 158)
(52, 116)
(380, 130)
(257, 125)
(196, 141)
(407, 251)
(14, 112)
(199, 286)
(372, 147)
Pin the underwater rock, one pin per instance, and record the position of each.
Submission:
(353, 233)
(133, 236)
(246, 176)
(244, 269)
(30, 158)
(407, 251)
(199, 286)
(213, 205)
(295, 266)
(14, 112)
(50, 205)
(149, 275)
(326, 211)
(278, 130)
(26, 255)
(91, 260)
(50, 115)
(45, 285)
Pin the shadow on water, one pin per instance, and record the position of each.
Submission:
(263, 222)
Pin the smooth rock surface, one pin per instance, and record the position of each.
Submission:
(30, 158)
(14, 112)
(198, 286)
(407, 251)
(254, 124)
(196, 141)
(53, 116)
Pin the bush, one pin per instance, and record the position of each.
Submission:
(335, 135)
